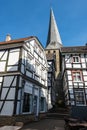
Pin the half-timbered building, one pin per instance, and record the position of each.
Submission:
(74, 70)
(23, 77)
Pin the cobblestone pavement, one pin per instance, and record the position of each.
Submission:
(46, 124)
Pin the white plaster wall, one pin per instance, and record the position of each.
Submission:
(23, 55)
(85, 83)
(40, 60)
(68, 58)
(36, 56)
(76, 66)
(20, 82)
(71, 86)
(19, 94)
(83, 65)
(84, 72)
(12, 68)
(22, 68)
(2, 66)
(29, 74)
(0, 104)
(32, 42)
(85, 78)
(69, 77)
(33, 60)
(31, 49)
(1, 53)
(68, 72)
(5, 56)
(7, 108)
(11, 94)
(43, 82)
(82, 58)
(68, 66)
(8, 80)
(13, 58)
(1, 78)
(70, 82)
(86, 91)
(43, 92)
(81, 85)
(15, 50)
(75, 83)
(18, 108)
(49, 99)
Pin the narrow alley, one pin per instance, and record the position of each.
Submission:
(45, 124)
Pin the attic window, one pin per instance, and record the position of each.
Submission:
(76, 59)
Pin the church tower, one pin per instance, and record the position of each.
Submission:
(54, 42)
(53, 39)
(52, 49)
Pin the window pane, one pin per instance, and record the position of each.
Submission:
(42, 103)
(26, 102)
(77, 76)
(76, 59)
(79, 95)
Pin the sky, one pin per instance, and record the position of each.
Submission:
(23, 18)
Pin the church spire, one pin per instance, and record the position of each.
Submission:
(53, 40)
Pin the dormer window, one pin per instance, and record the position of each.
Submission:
(76, 59)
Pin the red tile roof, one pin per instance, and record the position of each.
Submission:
(16, 40)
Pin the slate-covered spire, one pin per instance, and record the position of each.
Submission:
(53, 39)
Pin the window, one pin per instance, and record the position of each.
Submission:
(76, 59)
(54, 52)
(48, 51)
(77, 76)
(27, 102)
(42, 104)
(79, 97)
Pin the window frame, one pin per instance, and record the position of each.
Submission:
(30, 103)
(80, 95)
(42, 106)
(76, 77)
(75, 59)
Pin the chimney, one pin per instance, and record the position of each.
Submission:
(8, 37)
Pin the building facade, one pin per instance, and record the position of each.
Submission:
(74, 70)
(23, 77)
